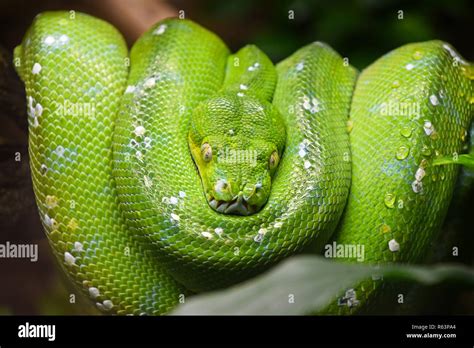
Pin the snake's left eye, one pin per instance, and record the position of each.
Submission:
(274, 159)
(206, 152)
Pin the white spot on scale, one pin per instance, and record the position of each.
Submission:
(182, 194)
(278, 224)
(48, 221)
(417, 186)
(243, 87)
(139, 131)
(299, 66)
(69, 259)
(160, 30)
(59, 151)
(175, 217)
(240, 94)
(434, 100)
(108, 305)
(36, 69)
(150, 82)
(258, 238)
(253, 67)
(35, 111)
(49, 40)
(147, 181)
(307, 164)
(311, 105)
(173, 200)
(94, 292)
(420, 174)
(218, 231)
(63, 39)
(38, 110)
(409, 66)
(207, 235)
(302, 152)
(393, 245)
(43, 169)
(78, 247)
(428, 128)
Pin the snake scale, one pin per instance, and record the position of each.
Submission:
(183, 167)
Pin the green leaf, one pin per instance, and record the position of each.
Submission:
(466, 160)
(314, 281)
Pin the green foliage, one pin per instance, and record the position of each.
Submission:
(361, 30)
(466, 160)
(313, 282)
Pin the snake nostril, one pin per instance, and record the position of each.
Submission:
(248, 191)
(222, 186)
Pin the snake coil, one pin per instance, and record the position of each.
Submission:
(183, 168)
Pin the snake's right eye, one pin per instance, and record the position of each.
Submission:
(206, 152)
(274, 159)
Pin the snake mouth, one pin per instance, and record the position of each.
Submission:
(237, 206)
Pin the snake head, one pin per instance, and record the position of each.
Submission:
(236, 144)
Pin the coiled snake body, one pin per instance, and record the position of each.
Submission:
(185, 168)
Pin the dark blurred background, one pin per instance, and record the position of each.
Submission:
(360, 30)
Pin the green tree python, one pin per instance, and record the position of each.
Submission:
(183, 167)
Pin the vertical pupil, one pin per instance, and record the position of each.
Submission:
(206, 152)
(273, 159)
